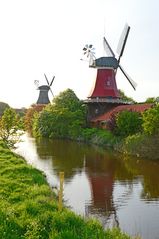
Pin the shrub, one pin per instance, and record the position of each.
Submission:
(98, 136)
(151, 120)
(10, 126)
(128, 123)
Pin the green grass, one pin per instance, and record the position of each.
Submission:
(29, 209)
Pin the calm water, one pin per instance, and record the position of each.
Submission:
(118, 190)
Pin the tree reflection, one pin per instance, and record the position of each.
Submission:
(66, 156)
(148, 170)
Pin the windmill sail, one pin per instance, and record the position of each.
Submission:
(52, 81)
(122, 41)
(46, 79)
(107, 48)
(133, 83)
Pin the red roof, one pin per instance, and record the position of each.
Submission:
(137, 107)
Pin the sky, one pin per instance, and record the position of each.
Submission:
(47, 36)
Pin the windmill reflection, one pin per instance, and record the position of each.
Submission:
(101, 172)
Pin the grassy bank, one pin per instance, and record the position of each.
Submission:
(29, 207)
(140, 145)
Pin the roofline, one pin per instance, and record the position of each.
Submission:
(107, 100)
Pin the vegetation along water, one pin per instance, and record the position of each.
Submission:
(24, 213)
(128, 131)
(29, 208)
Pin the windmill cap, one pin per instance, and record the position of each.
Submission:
(44, 87)
(106, 62)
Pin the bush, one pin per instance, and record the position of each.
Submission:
(98, 136)
(10, 126)
(128, 123)
(151, 120)
(141, 145)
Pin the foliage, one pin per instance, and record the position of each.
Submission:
(21, 112)
(10, 126)
(29, 115)
(125, 97)
(111, 123)
(67, 100)
(96, 136)
(29, 209)
(64, 118)
(3, 106)
(128, 123)
(141, 145)
(43, 124)
(151, 120)
(152, 100)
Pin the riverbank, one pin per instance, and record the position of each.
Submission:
(140, 145)
(29, 208)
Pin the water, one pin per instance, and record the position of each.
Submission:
(118, 190)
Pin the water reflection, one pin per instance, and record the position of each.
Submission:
(119, 190)
(67, 157)
(148, 171)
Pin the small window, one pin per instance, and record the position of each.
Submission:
(96, 111)
(108, 83)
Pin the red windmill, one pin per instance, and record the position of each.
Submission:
(105, 94)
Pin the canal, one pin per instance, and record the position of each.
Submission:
(118, 190)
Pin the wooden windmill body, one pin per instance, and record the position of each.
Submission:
(105, 85)
(105, 95)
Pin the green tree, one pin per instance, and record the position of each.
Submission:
(128, 123)
(3, 106)
(150, 100)
(29, 115)
(66, 100)
(125, 97)
(10, 127)
(64, 118)
(151, 120)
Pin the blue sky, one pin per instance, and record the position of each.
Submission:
(47, 36)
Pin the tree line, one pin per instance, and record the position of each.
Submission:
(65, 118)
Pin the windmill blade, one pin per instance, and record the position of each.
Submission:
(36, 82)
(89, 51)
(107, 48)
(122, 41)
(46, 79)
(51, 92)
(52, 80)
(132, 83)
